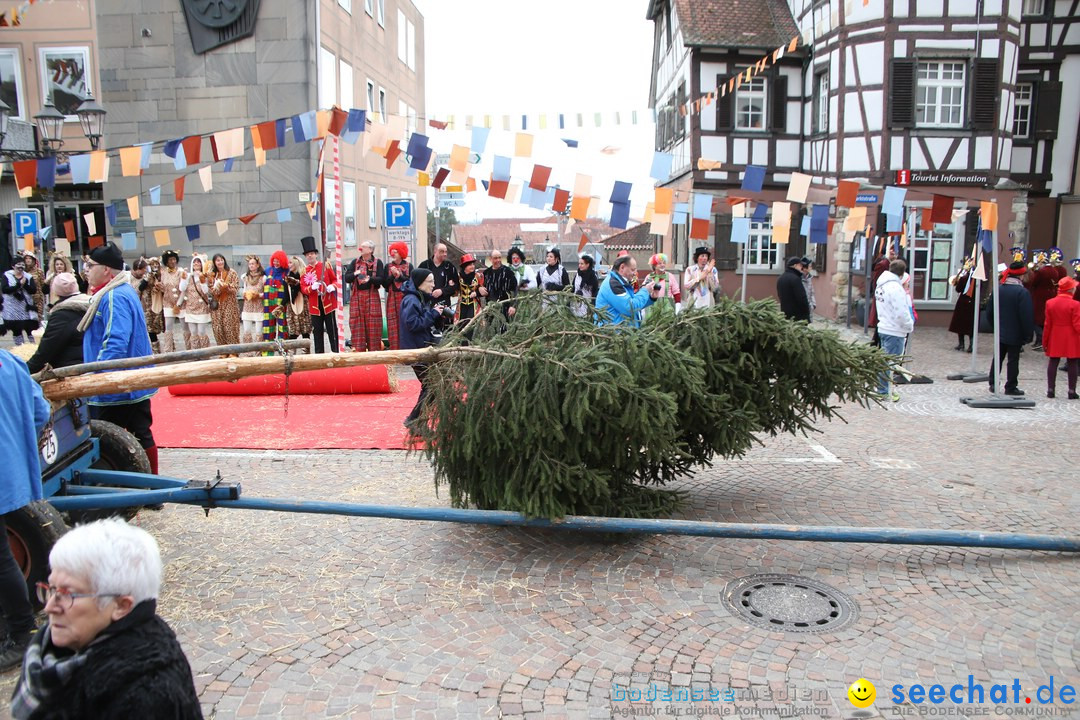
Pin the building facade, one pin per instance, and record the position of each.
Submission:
(932, 96)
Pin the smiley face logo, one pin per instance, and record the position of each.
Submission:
(862, 693)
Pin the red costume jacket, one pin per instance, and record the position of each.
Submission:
(319, 273)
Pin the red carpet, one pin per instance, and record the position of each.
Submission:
(315, 422)
(335, 381)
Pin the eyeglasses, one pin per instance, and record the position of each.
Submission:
(65, 598)
(87, 265)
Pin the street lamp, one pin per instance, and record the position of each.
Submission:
(92, 117)
(50, 123)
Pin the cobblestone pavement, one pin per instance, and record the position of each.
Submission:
(287, 615)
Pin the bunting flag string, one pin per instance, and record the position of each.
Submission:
(13, 17)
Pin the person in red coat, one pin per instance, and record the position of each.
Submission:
(1061, 336)
(319, 284)
(1042, 284)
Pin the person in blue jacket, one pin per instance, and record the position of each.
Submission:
(115, 327)
(618, 299)
(418, 316)
(24, 413)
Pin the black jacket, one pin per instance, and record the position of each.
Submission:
(792, 295)
(140, 672)
(62, 345)
(374, 282)
(446, 277)
(417, 319)
(1017, 323)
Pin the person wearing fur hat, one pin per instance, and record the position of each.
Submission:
(397, 274)
(62, 342)
(669, 299)
(19, 312)
(169, 287)
(114, 327)
(365, 275)
(145, 275)
(274, 317)
(33, 269)
(319, 284)
(469, 288)
(251, 316)
(195, 303)
(525, 275)
(586, 284)
(224, 284)
(1016, 324)
(701, 280)
(1042, 284)
(296, 310)
(553, 276)
(1061, 336)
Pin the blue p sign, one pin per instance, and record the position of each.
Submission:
(397, 213)
(25, 222)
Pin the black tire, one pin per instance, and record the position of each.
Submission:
(120, 450)
(32, 531)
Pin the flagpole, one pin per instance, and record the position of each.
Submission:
(338, 241)
(746, 259)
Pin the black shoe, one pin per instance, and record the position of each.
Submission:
(13, 650)
(1015, 392)
(960, 346)
(969, 347)
(1050, 394)
(1074, 396)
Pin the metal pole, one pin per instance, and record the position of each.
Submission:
(975, 327)
(850, 275)
(745, 261)
(994, 285)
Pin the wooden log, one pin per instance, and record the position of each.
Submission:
(59, 391)
(166, 358)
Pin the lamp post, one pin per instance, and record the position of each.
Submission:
(50, 127)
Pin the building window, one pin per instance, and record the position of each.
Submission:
(760, 252)
(402, 39)
(939, 98)
(11, 84)
(65, 77)
(410, 42)
(327, 78)
(371, 201)
(1034, 7)
(382, 105)
(382, 13)
(346, 80)
(330, 212)
(821, 99)
(931, 260)
(750, 100)
(348, 212)
(370, 96)
(411, 121)
(1022, 111)
(346, 5)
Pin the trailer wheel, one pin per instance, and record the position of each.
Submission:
(31, 533)
(120, 450)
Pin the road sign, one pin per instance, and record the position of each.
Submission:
(450, 202)
(398, 213)
(451, 199)
(866, 198)
(394, 235)
(25, 222)
(442, 159)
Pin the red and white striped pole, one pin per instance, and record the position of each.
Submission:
(338, 239)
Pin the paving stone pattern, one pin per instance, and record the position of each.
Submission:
(290, 615)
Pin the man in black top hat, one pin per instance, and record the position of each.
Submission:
(319, 284)
(791, 293)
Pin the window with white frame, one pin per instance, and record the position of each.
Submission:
(760, 251)
(939, 99)
(750, 104)
(402, 38)
(370, 97)
(327, 78)
(1034, 7)
(345, 77)
(11, 83)
(330, 212)
(382, 13)
(371, 203)
(346, 5)
(348, 212)
(410, 43)
(821, 119)
(382, 105)
(411, 121)
(1022, 111)
(65, 77)
(369, 7)
(931, 257)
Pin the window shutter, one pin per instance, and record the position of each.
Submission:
(902, 93)
(779, 103)
(985, 92)
(724, 107)
(726, 252)
(1046, 106)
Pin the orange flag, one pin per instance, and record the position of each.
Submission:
(246, 219)
(178, 188)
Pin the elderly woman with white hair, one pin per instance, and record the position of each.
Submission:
(104, 652)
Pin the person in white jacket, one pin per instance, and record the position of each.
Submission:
(895, 317)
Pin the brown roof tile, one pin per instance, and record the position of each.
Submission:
(635, 238)
(736, 23)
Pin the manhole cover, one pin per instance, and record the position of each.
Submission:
(789, 603)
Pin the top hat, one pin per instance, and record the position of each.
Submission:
(308, 244)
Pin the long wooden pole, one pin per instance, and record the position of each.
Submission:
(58, 391)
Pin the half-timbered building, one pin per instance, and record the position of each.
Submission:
(961, 98)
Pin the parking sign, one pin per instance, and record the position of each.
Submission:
(398, 213)
(24, 221)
